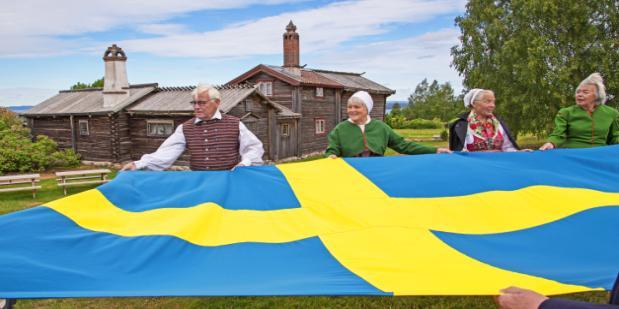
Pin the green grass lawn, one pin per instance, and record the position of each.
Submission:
(14, 201)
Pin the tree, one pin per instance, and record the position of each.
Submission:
(396, 109)
(96, 84)
(534, 53)
(434, 100)
(18, 153)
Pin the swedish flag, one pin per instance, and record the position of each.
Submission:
(461, 224)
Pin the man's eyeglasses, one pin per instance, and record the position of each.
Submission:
(200, 103)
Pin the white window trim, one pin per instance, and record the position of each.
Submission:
(268, 87)
(79, 125)
(320, 126)
(159, 121)
(320, 92)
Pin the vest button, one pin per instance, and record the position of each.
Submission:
(205, 131)
(206, 139)
(206, 158)
(205, 149)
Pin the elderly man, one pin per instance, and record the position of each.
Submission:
(215, 141)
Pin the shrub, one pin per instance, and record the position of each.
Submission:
(19, 154)
(423, 124)
(444, 135)
(395, 121)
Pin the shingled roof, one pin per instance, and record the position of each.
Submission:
(86, 102)
(150, 99)
(354, 81)
(177, 100)
(315, 77)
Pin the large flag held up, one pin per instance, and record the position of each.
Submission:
(460, 224)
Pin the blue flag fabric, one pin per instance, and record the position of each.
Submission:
(460, 224)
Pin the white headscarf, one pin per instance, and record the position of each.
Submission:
(365, 98)
(470, 96)
(596, 79)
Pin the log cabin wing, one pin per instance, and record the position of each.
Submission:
(153, 117)
(77, 120)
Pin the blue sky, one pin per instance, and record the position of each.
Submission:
(50, 45)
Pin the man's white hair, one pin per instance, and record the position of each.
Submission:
(213, 93)
(596, 80)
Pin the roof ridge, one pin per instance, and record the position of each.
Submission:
(218, 87)
(336, 72)
(175, 88)
(80, 90)
(144, 85)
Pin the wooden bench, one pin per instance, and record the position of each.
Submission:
(76, 178)
(20, 183)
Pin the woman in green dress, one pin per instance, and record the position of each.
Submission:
(361, 136)
(589, 123)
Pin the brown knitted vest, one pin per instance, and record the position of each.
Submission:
(213, 144)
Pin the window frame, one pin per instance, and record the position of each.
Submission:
(248, 105)
(318, 126)
(150, 122)
(79, 126)
(286, 132)
(269, 87)
(322, 92)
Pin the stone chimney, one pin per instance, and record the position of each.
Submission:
(291, 49)
(115, 84)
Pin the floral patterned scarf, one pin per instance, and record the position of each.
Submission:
(486, 133)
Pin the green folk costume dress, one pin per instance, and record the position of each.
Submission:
(347, 140)
(576, 128)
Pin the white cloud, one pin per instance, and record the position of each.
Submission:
(320, 29)
(60, 27)
(71, 17)
(400, 64)
(162, 29)
(31, 22)
(24, 96)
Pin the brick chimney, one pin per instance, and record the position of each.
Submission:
(115, 84)
(291, 49)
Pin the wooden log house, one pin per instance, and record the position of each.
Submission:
(320, 96)
(290, 109)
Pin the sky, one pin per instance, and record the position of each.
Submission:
(48, 46)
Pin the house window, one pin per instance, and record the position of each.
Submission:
(266, 88)
(159, 128)
(320, 92)
(248, 105)
(320, 126)
(83, 125)
(285, 129)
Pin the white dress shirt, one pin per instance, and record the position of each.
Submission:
(250, 149)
